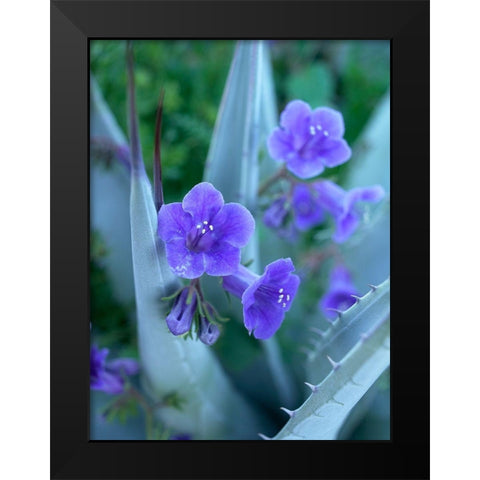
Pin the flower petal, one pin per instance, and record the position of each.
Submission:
(329, 120)
(173, 222)
(182, 261)
(203, 202)
(308, 212)
(339, 293)
(222, 259)
(108, 383)
(291, 286)
(208, 332)
(366, 194)
(340, 276)
(280, 144)
(305, 168)
(296, 117)
(334, 152)
(345, 226)
(331, 196)
(180, 318)
(278, 271)
(125, 366)
(264, 320)
(233, 224)
(276, 213)
(337, 299)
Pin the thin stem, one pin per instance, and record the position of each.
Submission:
(147, 408)
(195, 283)
(272, 180)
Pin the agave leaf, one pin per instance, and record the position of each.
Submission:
(368, 252)
(109, 195)
(232, 160)
(340, 337)
(246, 116)
(324, 412)
(210, 408)
(370, 418)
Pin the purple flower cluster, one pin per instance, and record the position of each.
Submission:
(266, 297)
(203, 234)
(109, 376)
(339, 293)
(180, 319)
(310, 203)
(308, 141)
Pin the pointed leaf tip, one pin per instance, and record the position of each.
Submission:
(135, 147)
(157, 162)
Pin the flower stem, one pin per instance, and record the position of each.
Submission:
(272, 180)
(147, 408)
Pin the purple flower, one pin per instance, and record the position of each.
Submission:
(339, 293)
(208, 332)
(109, 377)
(265, 298)
(276, 214)
(180, 318)
(307, 211)
(341, 205)
(308, 141)
(203, 234)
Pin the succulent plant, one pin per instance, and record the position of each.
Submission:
(238, 234)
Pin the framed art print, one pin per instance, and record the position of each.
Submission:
(239, 239)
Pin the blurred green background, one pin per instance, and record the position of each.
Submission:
(350, 76)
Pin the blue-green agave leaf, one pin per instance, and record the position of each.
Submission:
(209, 406)
(343, 333)
(332, 399)
(109, 195)
(246, 116)
(367, 254)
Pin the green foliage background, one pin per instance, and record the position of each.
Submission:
(348, 75)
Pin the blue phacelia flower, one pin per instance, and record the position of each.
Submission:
(179, 320)
(265, 298)
(203, 234)
(276, 214)
(277, 217)
(307, 212)
(208, 332)
(109, 376)
(308, 141)
(310, 202)
(339, 293)
(341, 205)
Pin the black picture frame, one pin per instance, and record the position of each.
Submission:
(406, 24)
